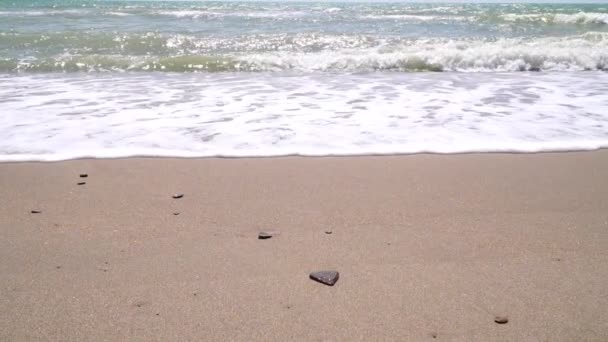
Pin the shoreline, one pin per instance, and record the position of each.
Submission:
(305, 156)
(428, 246)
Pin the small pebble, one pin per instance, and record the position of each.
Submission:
(84, 175)
(325, 277)
(35, 211)
(175, 214)
(267, 235)
(328, 232)
(82, 183)
(57, 267)
(501, 319)
(176, 196)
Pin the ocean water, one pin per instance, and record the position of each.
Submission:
(192, 78)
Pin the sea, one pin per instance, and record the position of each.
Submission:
(107, 79)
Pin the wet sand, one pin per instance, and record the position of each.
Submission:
(428, 247)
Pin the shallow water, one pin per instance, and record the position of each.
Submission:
(63, 116)
(171, 78)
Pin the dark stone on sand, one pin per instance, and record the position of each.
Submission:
(84, 175)
(501, 320)
(328, 232)
(175, 214)
(35, 211)
(82, 183)
(57, 267)
(325, 277)
(267, 235)
(140, 303)
(433, 335)
(176, 196)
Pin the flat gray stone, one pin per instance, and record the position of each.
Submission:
(325, 277)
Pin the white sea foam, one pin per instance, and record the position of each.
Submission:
(584, 52)
(559, 18)
(196, 14)
(582, 18)
(414, 17)
(63, 116)
(119, 14)
(40, 13)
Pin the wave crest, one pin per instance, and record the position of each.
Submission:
(584, 52)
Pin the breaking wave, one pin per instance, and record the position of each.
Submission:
(355, 54)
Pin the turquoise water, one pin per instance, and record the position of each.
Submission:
(196, 79)
(50, 36)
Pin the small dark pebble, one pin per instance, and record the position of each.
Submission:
(175, 214)
(176, 196)
(501, 320)
(325, 277)
(433, 335)
(84, 175)
(267, 235)
(157, 314)
(81, 183)
(57, 267)
(328, 232)
(139, 303)
(35, 211)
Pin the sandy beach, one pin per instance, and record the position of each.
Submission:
(429, 247)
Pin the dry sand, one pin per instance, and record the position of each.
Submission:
(426, 245)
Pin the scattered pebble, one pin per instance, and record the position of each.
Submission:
(267, 235)
(82, 183)
(501, 320)
(328, 232)
(433, 335)
(84, 175)
(139, 303)
(35, 211)
(325, 277)
(176, 196)
(57, 267)
(175, 213)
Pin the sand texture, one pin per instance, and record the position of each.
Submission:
(428, 247)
